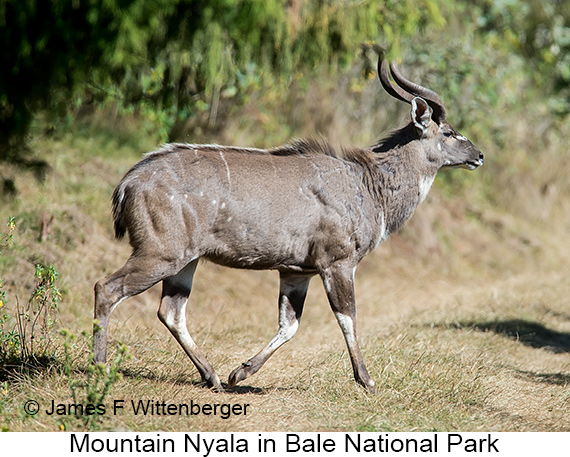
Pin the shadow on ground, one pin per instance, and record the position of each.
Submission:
(31, 366)
(556, 379)
(529, 333)
(147, 373)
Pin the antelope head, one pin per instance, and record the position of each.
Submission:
(449, 148)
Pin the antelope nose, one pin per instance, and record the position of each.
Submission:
(481, 157)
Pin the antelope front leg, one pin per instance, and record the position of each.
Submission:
(339, 285)
(292, 293)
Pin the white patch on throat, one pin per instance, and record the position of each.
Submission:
(425, 186)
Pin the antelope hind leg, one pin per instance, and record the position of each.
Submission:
(131, 279)
(172, 313)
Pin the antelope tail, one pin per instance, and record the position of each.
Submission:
(118, 200)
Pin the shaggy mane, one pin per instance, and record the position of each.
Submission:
(396, 138)
(297, 147)
(300, 147)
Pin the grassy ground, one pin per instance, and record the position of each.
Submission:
(463, 319)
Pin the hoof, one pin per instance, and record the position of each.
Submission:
(237, 375)
(217, 388)
(214, 383)
(370, 386)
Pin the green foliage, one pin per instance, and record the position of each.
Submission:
(47, 48)
(8, 238)
(96, 385)
(539, 31)
(167, 60)
(36, 319)
(29, 339)
(184, 57)
(10, 345)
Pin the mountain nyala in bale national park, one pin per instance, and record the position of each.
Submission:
(302, 209)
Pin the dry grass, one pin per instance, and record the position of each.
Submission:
(446, 357)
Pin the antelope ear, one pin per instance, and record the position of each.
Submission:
(421, 114)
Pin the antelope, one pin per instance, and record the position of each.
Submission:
(302, 209)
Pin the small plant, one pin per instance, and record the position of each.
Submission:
(3, 416)
(10, 343)
(10, 346)
(28, 340)
(35, 320)
(97, 383)
(6, 239)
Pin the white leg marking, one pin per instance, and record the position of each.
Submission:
(287, 328)
(347, 326)
(175, 316)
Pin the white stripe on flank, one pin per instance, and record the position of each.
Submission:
(227, 169)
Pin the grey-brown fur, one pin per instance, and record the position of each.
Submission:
(301, 209)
